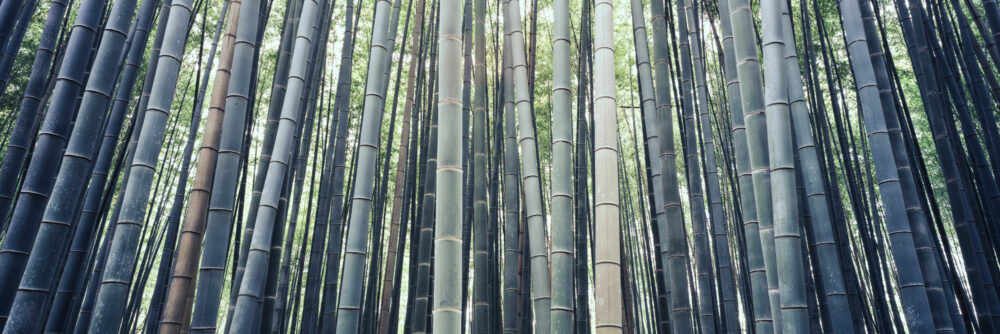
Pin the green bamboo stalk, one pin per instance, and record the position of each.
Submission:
(274, 305)
(275, 102)
(676, 235)
(751, 85)
(511, 191)
(53, 216)
(447, 303)
(419, 316)
(784, 196)
(651, 123)
(930, 263)
(717, 217)
(530, 179)
(422, 299)
(349, 306)
(328, 309)
(109, 309)
(912, 291)
(252, 287)
(688, 24)
(480, 224)
(402, 172)
(218, 221)
(748, 210)
(817, 206)
(563, 238)
(72, 86)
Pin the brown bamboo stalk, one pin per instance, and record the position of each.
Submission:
(180, 296)
(404, 147)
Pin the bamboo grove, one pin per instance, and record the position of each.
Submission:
(499, 166)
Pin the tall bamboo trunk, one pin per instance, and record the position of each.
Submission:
(278, 89)
(607, 258)
(279, 263)
(402, 170)
(108, 311)
(922, 237)
(57, 222)
(28, 110)
(424, 247)
(447, 269)
(562, 167)
(480, 223)
(349, 304)
(224, 182)
(531, 182)
(817, 206)
(154, 314)
(381, 183)
(696, 97)
(268, 221)
(84, 299)
(334, 244)
(87, 220)
(787, 230)
(651, 122)
(749, 74)
(582, 223)
(674, 237)
(912, 289)
(40, 176)
(717, 213)
(182, 281)
(511, 189)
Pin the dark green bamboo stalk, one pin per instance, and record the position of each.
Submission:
(74, 288)
(278, 89)
(676, 240)
(420, 315)
(727, 311)
(581, 277)
(57, 225)
(87, 223)
(349, 304)
(329, 209)
(154, 314)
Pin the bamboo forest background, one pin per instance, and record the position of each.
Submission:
(488, 166)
